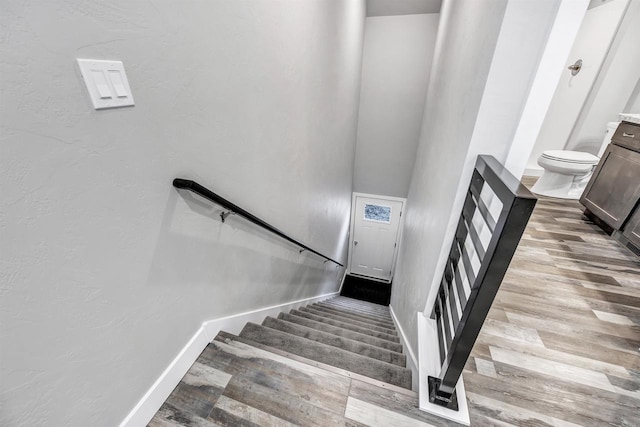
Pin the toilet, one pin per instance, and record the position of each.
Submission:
(567, 173)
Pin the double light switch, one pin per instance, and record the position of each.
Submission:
(106, 82)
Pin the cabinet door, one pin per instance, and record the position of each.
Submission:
(632, 228)
(614, 187)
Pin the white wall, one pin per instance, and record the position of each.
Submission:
(469, 110)
(613, 87)
(592, 44)
(107, 270)
(633, 104)
(395, 71)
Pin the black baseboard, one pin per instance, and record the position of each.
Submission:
(366, 290)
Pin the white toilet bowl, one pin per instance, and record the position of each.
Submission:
(566, 173)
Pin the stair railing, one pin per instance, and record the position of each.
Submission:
(232, 209)
(478, 260)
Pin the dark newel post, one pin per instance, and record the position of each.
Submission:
(518, 204)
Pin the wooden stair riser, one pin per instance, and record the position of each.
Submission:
(336, 341)
(364, 306)
(344, 325)
(337, 306)
(341, 318)
(372, 368)
(367, 339)
(356, 317)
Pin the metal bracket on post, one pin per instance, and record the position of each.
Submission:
(437, 397)
(225, 215)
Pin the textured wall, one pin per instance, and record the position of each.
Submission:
(486, 58)
(395, 70)
(106, 270)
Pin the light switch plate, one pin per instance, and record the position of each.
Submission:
(106, 82)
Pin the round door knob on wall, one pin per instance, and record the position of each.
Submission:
(576, 67)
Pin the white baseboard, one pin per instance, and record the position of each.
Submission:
(411, 360)
(344, 276)
(430, 366)
(169, 379)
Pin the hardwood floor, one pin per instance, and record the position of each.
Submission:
(560, 348)
(561, 343)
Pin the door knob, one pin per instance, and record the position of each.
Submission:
(576, 67)
(355, 243)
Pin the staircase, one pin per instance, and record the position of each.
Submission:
(336, 362)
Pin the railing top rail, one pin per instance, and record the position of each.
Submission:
(202, 191)
(502, 182)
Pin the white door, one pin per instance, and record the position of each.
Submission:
(374, 236)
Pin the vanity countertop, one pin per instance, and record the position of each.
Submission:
(629, 117)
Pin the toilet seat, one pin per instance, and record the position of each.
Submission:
(576, 157)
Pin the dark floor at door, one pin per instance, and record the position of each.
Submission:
(366, 290)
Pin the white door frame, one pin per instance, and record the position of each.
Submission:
(403, 201)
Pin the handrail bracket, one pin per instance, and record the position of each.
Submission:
(225, 215)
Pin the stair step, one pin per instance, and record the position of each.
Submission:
(387, 319)
(236, 341)
(344, 325)
(335, 330)
(366, 401)
(383, 317)
(336, 341)
(276, 390)
(341, 318)
(377, 316)
(323, 353)
(363, 305)
(353, 315)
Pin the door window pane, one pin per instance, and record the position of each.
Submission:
(377, 213)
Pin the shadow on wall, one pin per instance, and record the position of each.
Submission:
(195, 249)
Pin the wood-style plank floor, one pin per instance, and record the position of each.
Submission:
(561, 344)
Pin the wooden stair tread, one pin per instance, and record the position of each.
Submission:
(237, 340)
(347, 344)
(340, 318)
(313, 350)
(347, 333)
(377, 308)
(383, 312)
(323, 319)
(351, 315)
(402, 406)
(362, 312)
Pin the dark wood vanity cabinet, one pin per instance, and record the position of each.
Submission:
(614, 188)
(632, 228)
(613, 193)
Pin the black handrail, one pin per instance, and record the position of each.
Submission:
(202, 191)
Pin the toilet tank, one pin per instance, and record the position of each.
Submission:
(611, 129)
